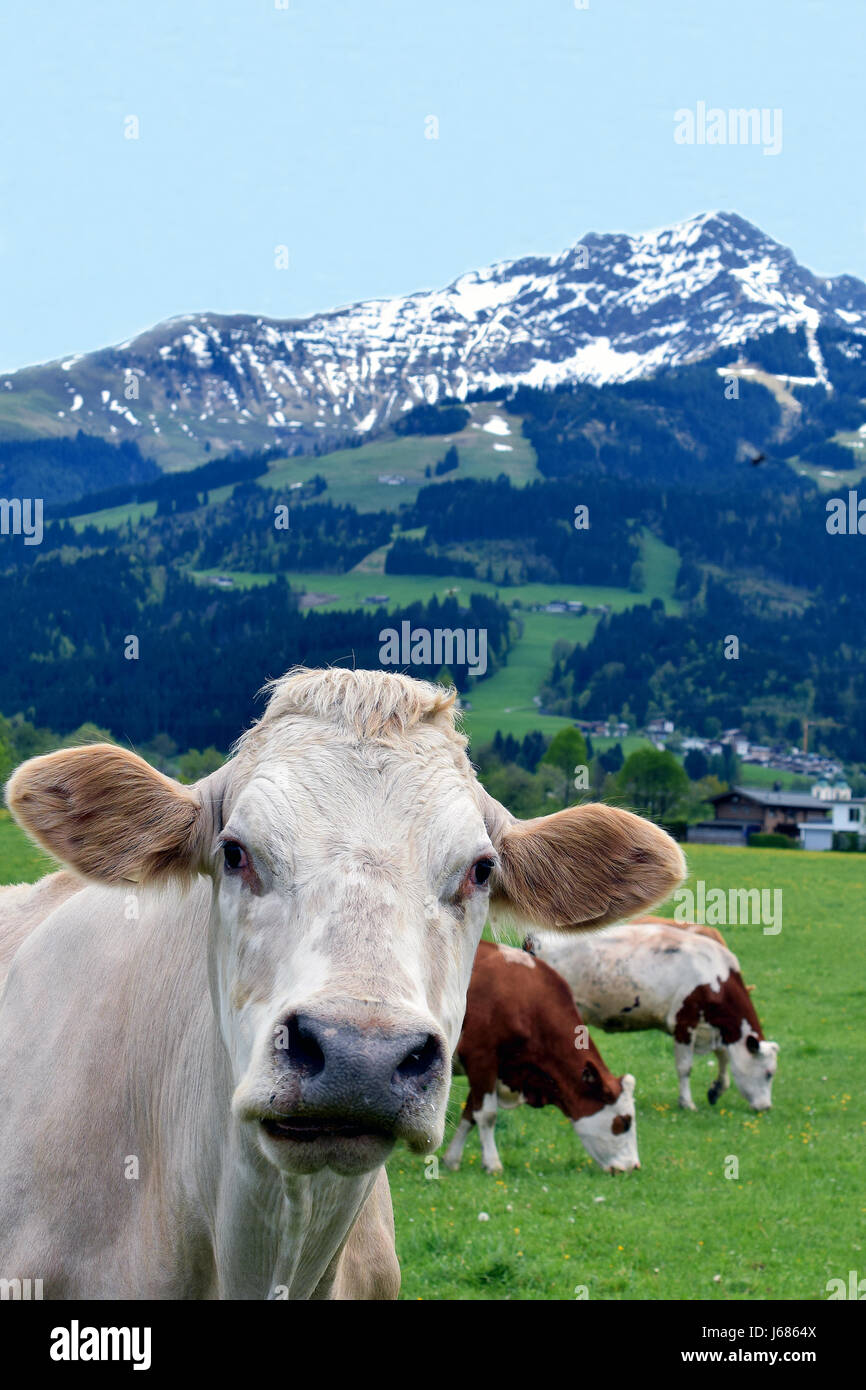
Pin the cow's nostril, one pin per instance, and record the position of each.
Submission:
(302, 1049)
(420, 1060)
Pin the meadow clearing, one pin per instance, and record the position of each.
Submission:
(793, 1217)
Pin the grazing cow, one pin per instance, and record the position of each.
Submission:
(702, 930)
(209, 1046)
(523, 1041)
(685, 981)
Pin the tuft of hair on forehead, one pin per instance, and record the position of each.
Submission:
(380, 705)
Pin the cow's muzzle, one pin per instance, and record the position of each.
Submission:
(343, 1094)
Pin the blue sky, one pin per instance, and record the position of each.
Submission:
(305, 127)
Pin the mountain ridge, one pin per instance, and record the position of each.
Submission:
(613, 307)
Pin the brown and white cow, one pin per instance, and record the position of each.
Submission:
(210, 1044)
(524, 1042)
(683, 980)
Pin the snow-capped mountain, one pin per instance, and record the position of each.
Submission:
(610, 308)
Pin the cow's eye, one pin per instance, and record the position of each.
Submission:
(481, 871)
(234, 856)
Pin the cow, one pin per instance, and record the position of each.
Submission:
(679, 978)
(24, 905)
(523, 1041)
(712, 932)
(249, 989)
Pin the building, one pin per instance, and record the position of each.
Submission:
(757, 753)
(836, 790)
(846, 816)
(812, 819)
(817, 834)
(657, 727)
(736, 740)
(742, 811)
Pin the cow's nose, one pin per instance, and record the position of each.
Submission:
(365, 1075)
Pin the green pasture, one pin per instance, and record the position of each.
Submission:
(354, 474)
(753, 775)
(793, 1218)
(20, 860)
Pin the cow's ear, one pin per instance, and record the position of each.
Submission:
(595, 1086)
(590, 1076)
(581, 868)
(108, 814)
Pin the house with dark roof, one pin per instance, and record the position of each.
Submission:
(740, 811)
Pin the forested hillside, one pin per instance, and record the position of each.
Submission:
(228, 573)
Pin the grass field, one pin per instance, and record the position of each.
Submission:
(20, 861)
(796, 1215)
(752, 775)
(112, 517)
(353, 474)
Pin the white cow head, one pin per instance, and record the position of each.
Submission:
(753, 1066)
(353, 859)
(609, 1134)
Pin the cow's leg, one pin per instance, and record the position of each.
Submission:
(454, 1152)
(723, 1080)
(485, 1118)
(684, 1054)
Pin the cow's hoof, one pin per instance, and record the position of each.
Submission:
(687, 1105)
(494, 1172)
(453, 1165)
(713, 1093)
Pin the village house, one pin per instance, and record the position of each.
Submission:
(737, 741)
(742, 811)
(656, 727)
(847, 816)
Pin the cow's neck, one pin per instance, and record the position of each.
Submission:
(279, 1237)
(727, 1008)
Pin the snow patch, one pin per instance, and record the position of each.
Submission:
(496, 425)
